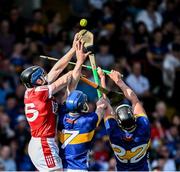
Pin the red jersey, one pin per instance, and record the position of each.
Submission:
(40, 110)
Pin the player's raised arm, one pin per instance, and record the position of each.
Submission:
(61, 83)
(109, 110)
(128, 92)
(102, 78)
(76, 73)
(101, 106)
(62, 63)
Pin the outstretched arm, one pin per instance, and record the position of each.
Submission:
(76, 73)
(102, 78)
(61, 83)
(101, 106)
(128, 92)
(62, 63)
(108, 112)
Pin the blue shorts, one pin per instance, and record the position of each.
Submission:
(133, 167)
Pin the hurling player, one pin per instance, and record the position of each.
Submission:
(128, 129)
(41, 108)
(76, 126)
(76, 130)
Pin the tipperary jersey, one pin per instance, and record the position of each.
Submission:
(75, 135)
(130, 149)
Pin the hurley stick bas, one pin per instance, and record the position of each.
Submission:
(88, 39)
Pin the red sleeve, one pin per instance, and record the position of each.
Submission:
(43, 92)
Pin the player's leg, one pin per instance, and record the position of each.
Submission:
(55, 154)
(44, 154)
(33, 151)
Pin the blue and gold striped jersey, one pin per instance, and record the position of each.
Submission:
(130, 149)
(75, 136)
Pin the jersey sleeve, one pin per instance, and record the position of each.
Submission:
(44, 92)
(96, 120)
(92, 119)
(110, 124)
(143, 133)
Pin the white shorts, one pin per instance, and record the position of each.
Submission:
(44, 154)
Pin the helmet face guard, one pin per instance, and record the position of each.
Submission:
(77, 102)
(30, 76)
(125, 118)
(38, 74)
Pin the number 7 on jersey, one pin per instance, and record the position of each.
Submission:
(68, 137)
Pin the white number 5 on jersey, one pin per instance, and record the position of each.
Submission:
(30, 109)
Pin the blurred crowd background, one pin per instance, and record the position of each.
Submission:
(141, 39)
